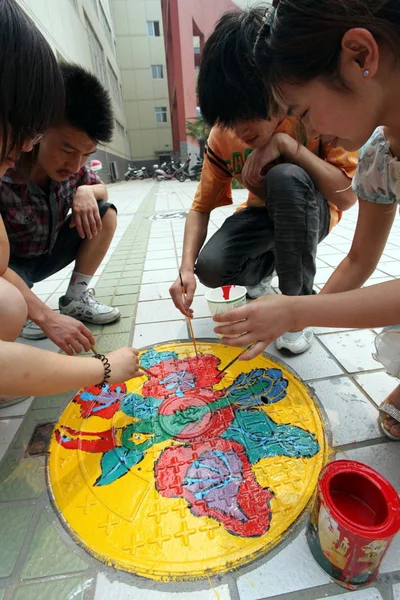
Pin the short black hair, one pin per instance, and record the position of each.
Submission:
(230, 86)
(32, 90)
(87, 103)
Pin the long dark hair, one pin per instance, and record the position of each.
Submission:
(31, 86)
(304, 39)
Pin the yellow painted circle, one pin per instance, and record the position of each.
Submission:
(198, 482)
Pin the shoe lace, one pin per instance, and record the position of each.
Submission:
(89, 297)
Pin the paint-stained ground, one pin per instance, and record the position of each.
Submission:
(39, 560)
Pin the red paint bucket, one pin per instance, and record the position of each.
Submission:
(355, 516)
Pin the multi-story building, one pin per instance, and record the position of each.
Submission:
(139, 32)
(82, 31)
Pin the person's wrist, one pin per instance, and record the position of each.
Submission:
(41, 315)
(297, 309)
(287, 146)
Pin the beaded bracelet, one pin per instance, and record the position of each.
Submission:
(107, 369)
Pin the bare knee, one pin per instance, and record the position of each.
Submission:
(13, 311)
(109, 221)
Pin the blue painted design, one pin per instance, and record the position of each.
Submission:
(180, 382)
(151, 357)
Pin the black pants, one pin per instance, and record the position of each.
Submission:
(65, 251)
(282, 236)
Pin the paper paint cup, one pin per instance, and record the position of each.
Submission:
(355, 517)
(224, 299)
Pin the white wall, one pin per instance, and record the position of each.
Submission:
(63, 24)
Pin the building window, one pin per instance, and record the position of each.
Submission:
(153, 28)
(97, 55)
(157, 71)
(106, 26)
(114, 85)
(161, 114)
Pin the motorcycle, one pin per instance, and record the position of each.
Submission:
(160, 174)
(185, 172)
(132, 173)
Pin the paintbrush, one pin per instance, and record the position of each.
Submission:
(95, 351)
(236, 358)
(188, 319)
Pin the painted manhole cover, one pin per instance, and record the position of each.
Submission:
(169, 216)
(190, 472)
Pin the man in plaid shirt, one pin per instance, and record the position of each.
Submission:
(44, 238)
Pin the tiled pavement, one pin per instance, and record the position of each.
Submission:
(39, 561)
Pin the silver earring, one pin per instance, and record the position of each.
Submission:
(366, 73)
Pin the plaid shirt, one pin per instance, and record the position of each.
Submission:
(33, 217)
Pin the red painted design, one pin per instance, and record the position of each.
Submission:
(251, 500)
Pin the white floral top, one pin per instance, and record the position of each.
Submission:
(377, 178)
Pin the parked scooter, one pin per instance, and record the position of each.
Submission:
(160, 174)
(185, 172)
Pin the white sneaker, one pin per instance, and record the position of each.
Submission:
(262, 289)
(31, 331)
(297, 342)
(88, 309)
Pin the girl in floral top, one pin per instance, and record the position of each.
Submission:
(335, 64)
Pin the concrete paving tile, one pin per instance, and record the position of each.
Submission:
(353, 349)
(48, 554)
(2, 592)
(396, 591)
(8, 430)
(322, 275)
(152, 333)
(108, 280)
(115, 268)
(377, 385)
(391, 268)
(351, 416)
(168, 275)
(65, 589)
(18, 410)
(204, 328)
(14, 522)
(272, 578)
(112, 341)
(107, 590)
(160, 291)
(25, 482)
(163, 263)
(161, 310)
(123, 300)
(105, 299)
(367, 594)
(313, 364)
(127, 289)
(46, 287)
(160, 254)
(333, 260)
(127, 310)
(124, 324)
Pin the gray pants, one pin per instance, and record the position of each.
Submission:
(282, 236)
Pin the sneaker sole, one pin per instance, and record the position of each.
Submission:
(284, 347)
(105, 320)
(33, 336)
